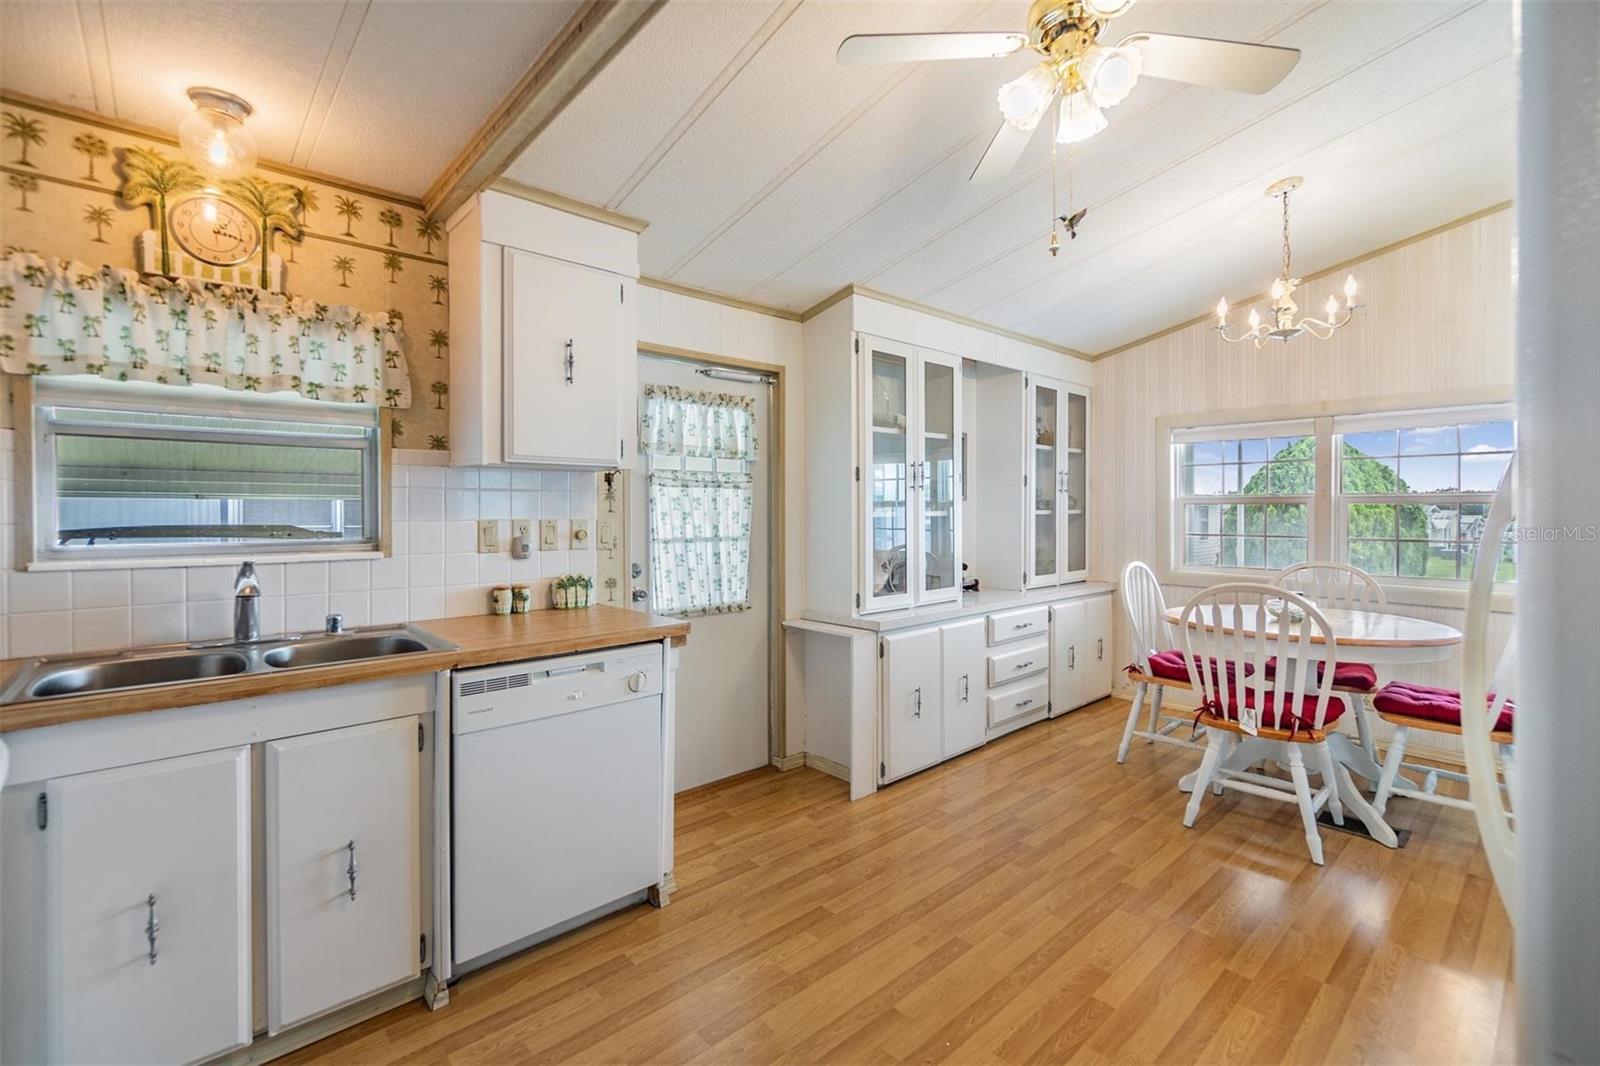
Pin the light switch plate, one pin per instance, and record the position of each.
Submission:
(580, 534)
(488, 536)
(547, 534)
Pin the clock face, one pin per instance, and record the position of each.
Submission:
(214, 230)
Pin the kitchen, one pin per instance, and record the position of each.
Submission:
(474, 585)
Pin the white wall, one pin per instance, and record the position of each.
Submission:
(433, 573)
(1438, 319)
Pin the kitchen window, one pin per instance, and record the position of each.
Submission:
(1403, 495)
(132, 471)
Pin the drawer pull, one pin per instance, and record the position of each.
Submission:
(1023, 703)
(1023, 625)
(351, 870)
(151, 925)
(1023, 665)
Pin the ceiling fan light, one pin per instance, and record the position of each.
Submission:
(1111, 73)
(1108, 9)
(1080, 118)
(1024, 101)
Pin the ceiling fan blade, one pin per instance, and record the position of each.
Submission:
(1002, 153)
(1245, 68)
(916, 47)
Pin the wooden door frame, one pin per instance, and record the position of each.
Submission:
(777, 558)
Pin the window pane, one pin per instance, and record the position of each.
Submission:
(1285, 551)
(1205, 452)
(1291, 479)
(1437, 440)
(1438, 522)
(1203, 518)
(1202, 481)
(1255, 518)
(1380, 442)
(1286, 519)
(1202, 551)
(1489, 437)
(1367, 476)
(1472, 519)
(1430, 560)
(1254, 553)
(1230, 479)
(1291, 447)
(1428, 474)
(1506, 570)
(1253, 479)
(1373, 556)
(1254, 450)
(1230, 552)
(1482, 473)
(1370, 520)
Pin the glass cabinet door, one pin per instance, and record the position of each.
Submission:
(886, 476)
(1076, 483)
(937, 478)
(1044, 483)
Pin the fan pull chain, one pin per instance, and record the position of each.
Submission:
(1055, 240)
(1286, 273)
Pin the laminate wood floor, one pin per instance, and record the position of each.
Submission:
(1029, 902)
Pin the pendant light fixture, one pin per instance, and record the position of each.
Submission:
(214, 135)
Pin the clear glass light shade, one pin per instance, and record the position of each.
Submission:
(1349, 288)
(1111, 73)
(214, 136)
(1332, 308)
(1222, 311)
(1024, 101)
(1080, 119)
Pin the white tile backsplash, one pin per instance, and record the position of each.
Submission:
(434, 570)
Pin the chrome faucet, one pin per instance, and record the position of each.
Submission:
(246, 604)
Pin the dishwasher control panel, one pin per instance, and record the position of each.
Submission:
(487, 697)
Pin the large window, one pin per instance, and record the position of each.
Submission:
(1401, 495)
(138, 472)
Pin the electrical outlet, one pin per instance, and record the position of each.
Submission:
(547, 534)
(580, 533)
(521, 527)
(488, 536)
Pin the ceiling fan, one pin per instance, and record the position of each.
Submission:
(1087, 75)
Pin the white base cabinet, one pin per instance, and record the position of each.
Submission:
(1080, 653)
(965, 653)
(344, 858)
(148, 910)
(912, 713)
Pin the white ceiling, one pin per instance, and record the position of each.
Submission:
(769, 172)
(382, 92)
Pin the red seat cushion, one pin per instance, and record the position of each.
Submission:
(1301, 711)
(1170, 666)
(1431, 704)
(1358, 676)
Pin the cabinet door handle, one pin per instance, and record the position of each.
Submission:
(151, 925)
(352, 869)
(570, 361)
(1100, 648)
(916, 711)
(966, 687)
(1072, 657)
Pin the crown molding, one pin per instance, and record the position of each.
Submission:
(150, 133)
(571, 206)
(576, 54)
(1336, 268)
(719, 298)
(949, 316)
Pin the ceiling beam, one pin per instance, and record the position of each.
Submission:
(576, 54)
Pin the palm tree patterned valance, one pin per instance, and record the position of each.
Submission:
(59, 317)
(697, 425)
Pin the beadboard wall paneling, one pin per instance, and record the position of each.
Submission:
(1438, 320)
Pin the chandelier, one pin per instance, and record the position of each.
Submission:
(1284, 325)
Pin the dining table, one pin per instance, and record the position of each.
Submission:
(1379, 638)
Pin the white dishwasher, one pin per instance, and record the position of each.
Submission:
(557, 795)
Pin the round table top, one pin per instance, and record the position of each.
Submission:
(1355, 629)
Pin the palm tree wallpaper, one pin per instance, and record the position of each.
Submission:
(66, 205)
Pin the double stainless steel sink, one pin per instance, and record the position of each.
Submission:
(48, 678)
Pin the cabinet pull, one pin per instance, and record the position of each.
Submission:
(1072, 657)
(1100, 648)
(1023, 625)
(1023, 665)
(916, 711)
(151, 925)
(966, 687)
(569, 361)
(351, 870)
(1023, 703)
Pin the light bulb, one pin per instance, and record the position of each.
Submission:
(1111, 73)
(1255, 320)
(1222, 312)
(1332, 307)
(1277, 288)
(1350, 289)
(1108, 9)
(214, 136)
(1080, 119)
(1024, 101)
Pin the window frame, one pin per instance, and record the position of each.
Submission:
(37, 469)
(1178, 531)
(1327, 524)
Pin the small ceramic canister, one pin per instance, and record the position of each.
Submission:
(500, 599)
(521, 599)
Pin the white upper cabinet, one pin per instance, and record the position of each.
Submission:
(543, 334)
(910, 434)
(147, 910)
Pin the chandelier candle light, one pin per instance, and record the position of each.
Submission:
(1284, 325)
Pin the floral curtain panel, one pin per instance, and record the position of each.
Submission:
(699, 541)
(697, 425)
(61, 317)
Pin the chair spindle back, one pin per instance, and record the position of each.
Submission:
(1337, 585)
(1147, 613)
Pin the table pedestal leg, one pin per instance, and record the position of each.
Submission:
(1351, 754)
(1355, 803)
(1247, 752)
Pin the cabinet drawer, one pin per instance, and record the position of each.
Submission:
(1015, 625)
(1018, 700)
(1023, 660)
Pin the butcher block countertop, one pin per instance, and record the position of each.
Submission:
(481, 640)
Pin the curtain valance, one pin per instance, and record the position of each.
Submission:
(61, 317)
(697, 425)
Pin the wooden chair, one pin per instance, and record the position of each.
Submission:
(1155, 664)
(1348, 588)
(1291, 710)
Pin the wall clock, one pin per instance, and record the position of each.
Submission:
(214, 230)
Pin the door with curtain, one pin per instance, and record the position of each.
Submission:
(700, 507)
